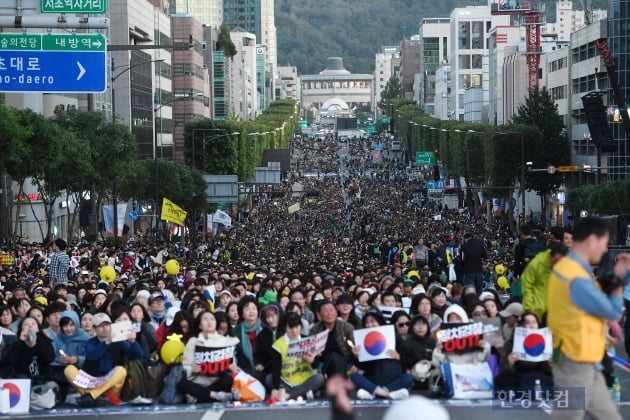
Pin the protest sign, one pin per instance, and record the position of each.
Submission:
(532, 345)
(460, 338)
(212, 360)
(87, 381)
(492, 331)
(375, 342)
(312, 345)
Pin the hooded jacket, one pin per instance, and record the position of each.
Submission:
(479, 356)
(71, 345)
(264, 341)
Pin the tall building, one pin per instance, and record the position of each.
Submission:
(386, 64)
(409, 64)
(618, 22)
(244, 97)
(503, 41)
(469, 45)
(434, 51)
(289, 83)
(569, 20)
(257, 17)
(191, 81)
(208, 12)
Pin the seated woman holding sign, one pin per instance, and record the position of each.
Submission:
(208, 364)
(386, 377)
(293, 373)
(517, 373)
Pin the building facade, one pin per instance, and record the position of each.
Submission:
(386, 64)
(434, 52)
(335, 82)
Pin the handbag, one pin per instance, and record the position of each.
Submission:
(155, 375)
(45, 396)
(468, 380)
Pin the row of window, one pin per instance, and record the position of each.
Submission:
(583, 52)
(558, 92)
(343, 84)
(467, 62)
(589, 83)
(558, 64)
(470, 35)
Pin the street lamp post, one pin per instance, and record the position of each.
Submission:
(113, 89)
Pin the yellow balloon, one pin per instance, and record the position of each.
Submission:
(500, 269)
(503, 283)
(108, 274)
(172, 351)
(172, 267)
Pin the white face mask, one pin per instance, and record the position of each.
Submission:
(155, 271)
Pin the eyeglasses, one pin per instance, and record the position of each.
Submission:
(479, 313)
(403, 324)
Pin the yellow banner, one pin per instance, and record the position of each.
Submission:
(294, 207)
(171, 212)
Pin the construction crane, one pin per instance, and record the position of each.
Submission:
(533, 23)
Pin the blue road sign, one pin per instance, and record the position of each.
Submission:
(133, 216)
(52, 71)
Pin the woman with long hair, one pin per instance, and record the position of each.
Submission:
(208, 377)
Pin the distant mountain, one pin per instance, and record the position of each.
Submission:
(310, 31)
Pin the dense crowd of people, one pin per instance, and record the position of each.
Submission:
(365, 249)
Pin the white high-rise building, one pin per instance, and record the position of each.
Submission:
(469, 48)
(244, 95)
(569, 20)
(434, 53)
(384, 63)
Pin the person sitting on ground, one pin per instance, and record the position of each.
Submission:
(211, 380)
(455, 314)
(31, 356)
(104, 359)
(294, 374)
(69, 347)
(337, 356)
(384, 378)
(516, 373)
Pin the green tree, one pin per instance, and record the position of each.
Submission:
(224, 42)
(540, 111)
(392, 90)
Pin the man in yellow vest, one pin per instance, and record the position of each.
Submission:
(577, 313)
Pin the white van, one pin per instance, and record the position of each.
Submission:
(395, 145)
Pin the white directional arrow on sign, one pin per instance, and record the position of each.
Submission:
(81, 71)
(97, 43)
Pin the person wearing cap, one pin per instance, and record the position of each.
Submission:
(104, 359)
(156, 309)
(59, 262)
(511, 315)
(578, 308)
